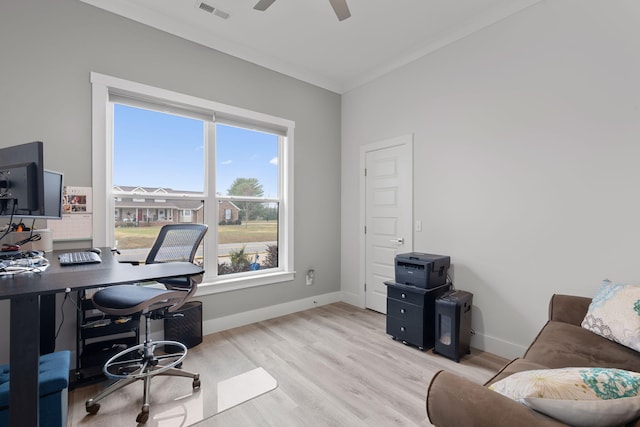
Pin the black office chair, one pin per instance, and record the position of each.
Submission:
(175, 242)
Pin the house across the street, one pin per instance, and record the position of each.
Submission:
(136, 206)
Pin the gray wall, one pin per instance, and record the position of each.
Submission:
(47, 50)
(526, 148)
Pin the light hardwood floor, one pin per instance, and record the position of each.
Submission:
(334, 364)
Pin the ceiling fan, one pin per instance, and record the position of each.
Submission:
(339, 7)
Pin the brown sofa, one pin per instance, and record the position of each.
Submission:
(562, 342)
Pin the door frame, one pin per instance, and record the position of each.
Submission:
(364, 149)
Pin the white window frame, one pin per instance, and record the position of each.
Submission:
(104, 88)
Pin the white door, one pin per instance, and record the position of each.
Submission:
(388, 214)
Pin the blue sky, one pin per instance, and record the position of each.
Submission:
(153, 149)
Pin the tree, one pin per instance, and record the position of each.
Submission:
(246, 187)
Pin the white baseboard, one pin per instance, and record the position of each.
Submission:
(487, 343)
(497, 346)
(248, 317)
(353, 299)
(491, 344)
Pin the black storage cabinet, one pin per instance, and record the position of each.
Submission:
(453, 324)
(185, 327)
(99, 336)
(411, 313)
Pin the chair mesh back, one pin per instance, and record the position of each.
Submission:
(176, 242)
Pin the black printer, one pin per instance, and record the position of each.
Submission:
(422, 270)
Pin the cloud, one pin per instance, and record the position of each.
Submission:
(226, 162)
(274, 161)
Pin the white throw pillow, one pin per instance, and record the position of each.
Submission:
(614, 313)
(597, 397)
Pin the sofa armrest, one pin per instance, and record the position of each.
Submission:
(454, 401)
(568, 308)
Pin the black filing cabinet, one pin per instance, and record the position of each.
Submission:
(411, 313)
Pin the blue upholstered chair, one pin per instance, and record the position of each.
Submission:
(53, 385)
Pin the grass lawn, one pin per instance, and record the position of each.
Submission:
(254, 231)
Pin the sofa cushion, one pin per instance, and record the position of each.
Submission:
(560, 345)
(516, 365)
(595, 397)
(614, 313)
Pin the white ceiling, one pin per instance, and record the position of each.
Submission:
(305, 40)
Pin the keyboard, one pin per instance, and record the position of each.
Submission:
(76, 258)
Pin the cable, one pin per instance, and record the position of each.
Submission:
(24, 265)
(75, 304)
(13, 211)
(12, 271)
(66, 295)
(13, 227)
(31, 238)
(4, 192)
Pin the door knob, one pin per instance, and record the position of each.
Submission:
(398, 241)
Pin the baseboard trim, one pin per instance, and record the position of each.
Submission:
(497, 346)
(353, 299)
(487, 343)
(247, 317)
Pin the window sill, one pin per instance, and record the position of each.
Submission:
(236, 283)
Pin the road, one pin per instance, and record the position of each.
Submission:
(223, 250)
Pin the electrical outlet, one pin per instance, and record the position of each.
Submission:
(311, 274)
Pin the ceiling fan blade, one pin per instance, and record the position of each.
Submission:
(263, 4)
(341, 9)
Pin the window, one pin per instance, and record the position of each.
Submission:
(227, 167)
(247, 176)
(186, 215)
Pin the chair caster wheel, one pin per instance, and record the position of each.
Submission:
(143, 416)
(196, 384)
(92, 408)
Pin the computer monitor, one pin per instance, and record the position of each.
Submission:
(53, 187)
(22, 180)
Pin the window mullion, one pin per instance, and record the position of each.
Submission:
(211, 206)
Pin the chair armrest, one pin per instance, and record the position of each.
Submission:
(455, 401)
(568, 308)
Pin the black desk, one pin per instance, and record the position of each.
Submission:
(24, 291)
